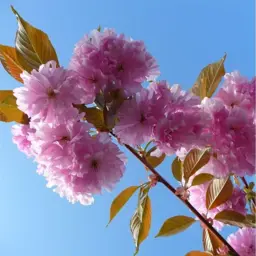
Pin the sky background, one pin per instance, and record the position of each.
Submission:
(184, 36)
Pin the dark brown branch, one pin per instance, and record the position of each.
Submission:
(186, 202)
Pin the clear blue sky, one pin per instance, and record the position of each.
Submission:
(184, 36)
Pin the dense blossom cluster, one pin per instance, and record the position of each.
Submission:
(74, 162)
(168, 115)
(79, 163)
(176, 120)
(106, 61)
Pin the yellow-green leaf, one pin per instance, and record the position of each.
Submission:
(218, 192)
(8, 58)
(95, 116)
(194, 161)
(141, 220)
(113, 101)
(231, 218)
(177, 169)
(9, 111)
(198, 253)
(209, 79)
(33, 46)
(155, 161)
(99, 28)
(201, 179)
(175, 225)
(121, 200)
(211, 242)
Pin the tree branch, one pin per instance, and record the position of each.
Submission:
(186, 202)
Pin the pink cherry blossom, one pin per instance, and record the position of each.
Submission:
(21, 137)
(107, 61)
(180, 129)
(183, 120)
(99, 163)
(49, 92)
(238, 91)
(62, 183)
(137, 118)
(95, 163)
(54, 144)
(236, 203)
(231, 137)
(173, 98)
(243, 241)
(182, 100)
(158, 110)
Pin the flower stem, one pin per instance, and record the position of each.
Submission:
(186, 202)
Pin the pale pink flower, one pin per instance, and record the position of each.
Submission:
(54, 144)
(238, 91)
(107, 61)
(21, 137)
(137, 118)
(182, 100)
(97, 164)
(236, 203)
(62, 183)
(181, 124)
(173, 98)
(243, 241)
(231, 138)
(180, 129)
(49, 92)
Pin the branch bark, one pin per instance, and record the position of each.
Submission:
(186, 202)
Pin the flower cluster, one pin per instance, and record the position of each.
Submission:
(176, 120)
(232, 127)
(168, 115)
(77, 164)
(74, 162)
(106, 61)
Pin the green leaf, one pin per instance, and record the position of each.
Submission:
(120, 201)
(209, 79)
(33, 46)
(198, 253)
(141, 220)
(113, 101)
(99, 28)
(177, 169)
(175, 225)
(232, 218)
(94, 116)
(211, 242)
(194, 161)
(8, 58)
(155, 161)
(218, 192)
(201, 179)
(9, 111)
